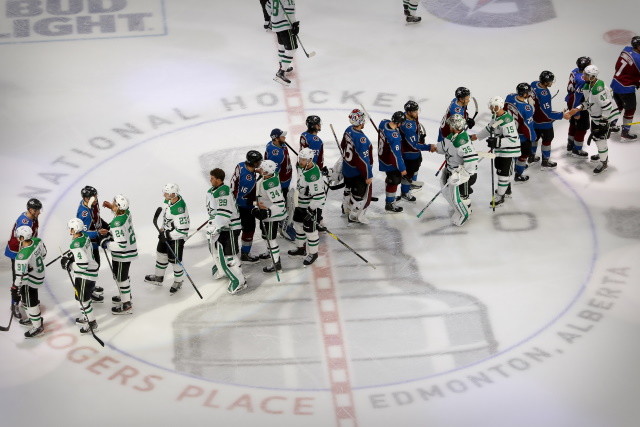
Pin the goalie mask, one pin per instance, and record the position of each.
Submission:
(357, 117)
(457, 123)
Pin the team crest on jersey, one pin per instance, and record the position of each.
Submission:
(271, 184)
(395, 134)
(20, 256)
(408, 125)
(315, 138)
(249, 177)
(180, 209)
(274, 152)
(544, 92)
(117, 224)
(85, 213)
(363, 139)
(223, 192)
(25, 221)
(76, 244)
(492, 13)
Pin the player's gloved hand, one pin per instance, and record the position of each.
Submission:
(471, 123)
(261, 214)
(165, 235)
(105, 241)
(295, 28)
(15, 294)
(212, 231)
(325, 171)
(311, 215)
(613, 126)
(492, 142)
(66, 261)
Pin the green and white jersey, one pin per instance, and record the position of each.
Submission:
(270, 193)
(175, 219)
(84, 266)
(30, 263)
(459, 151)
(222, 209)
(123, 247)
(506, 130)
(312, 189)
(598, 101)
(279, 8)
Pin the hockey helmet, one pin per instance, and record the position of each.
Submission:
(357, 117)
(121, 202)
(171, 188)
(268, 167)
(34, 204)
(547, 77)
(306, 153)
(313, 121)
(523, 89)
(88, 191)
(75, 225)
(583, 62)
(635, 42)
(398, 117)
(462, 92)
(496, 101)
(24, 232)
(592, 71)
(253, 158)
(411, 106)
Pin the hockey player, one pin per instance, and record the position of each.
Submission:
(518, 105)
(413, 143)
(121, 242)
(174, 231)
(223, 231)
(578, 123)
(625, 81)
(410, 7)
(243, 187)
(310, 139)
(598, 101)
(458, 106)
(270, 210)
(284, 24)
(461, 164)
(311, 197)
(277, 152)
(80, 259)
(502, 137)
(27, 218)
(390, 159)
(357, 168)
(30, 269)
(89, 213)
(543, 118)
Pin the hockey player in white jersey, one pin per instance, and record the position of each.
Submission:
(223, 231)
(598, 101)
(174, 231)
(461, 164)
(501, 134)
(270, 210)
(410, 7)
(122, 244)
(29, 267)
(80, 260)
(311, 197)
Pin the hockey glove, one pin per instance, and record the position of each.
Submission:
(165, 235)
(295, 28)
(613, 127)
(66, 261)
(492, 142)
(15, 294)
(105, 241)
(471, 123)
(212, 231)
(261, 214)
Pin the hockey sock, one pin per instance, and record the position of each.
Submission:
(546, 149)
(404, 188)
(125, 291)
(247, 241)
(301, 236)
(313, 240)
(178, 272)
(275, 249)
(34, 316)
(162, 261)
(503, 184)
(603, 150)
(521, 166)
(88, 310)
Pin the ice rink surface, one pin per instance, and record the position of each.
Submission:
(523, 317)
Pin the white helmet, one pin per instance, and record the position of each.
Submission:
(591, 70)
(268, 167)
(171, 189)
(76, 225)
(496, 101)
(121, 202)
(25, 232)
(457, 122)
(306, 153)
(357, 117)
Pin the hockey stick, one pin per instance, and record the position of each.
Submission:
(155, 220)
(557, 92)
(289, 147)
(309, 55)
(444, 162)
(84, 313)
(629, 124)
(6, 328)
(197, 229)
(493, 187)
(349, 247)
(475, 102)
(273, 260)
(56, 258)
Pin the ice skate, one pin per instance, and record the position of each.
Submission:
(87, 328)
(297, 252)
(310, 259)
(124, 308)
(153, 279)
(521, 178)
(581, 154)
(281, 78)
(271, 268)
(392, 208)
(626, 134)
(548, 163)
(35, 332)
(533, 158)
(601, 167)
(175, 287)
(245, 257)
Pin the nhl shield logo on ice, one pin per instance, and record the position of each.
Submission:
(492, 13)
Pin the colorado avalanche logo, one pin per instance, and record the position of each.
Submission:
(395, 134)
(492, 13)
(249, 177)
(25, 221)
(274, 152)
(85, 214)
(363, 139)
(458, 110)
(315, 138)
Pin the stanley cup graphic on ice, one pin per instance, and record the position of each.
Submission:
(275, 341)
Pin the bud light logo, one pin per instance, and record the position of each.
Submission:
(492, 13)
(25, 21)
